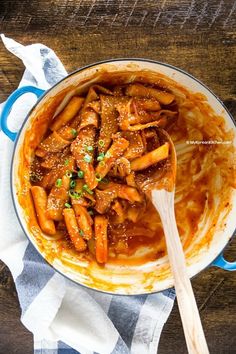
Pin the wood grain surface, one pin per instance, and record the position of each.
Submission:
(197, 36)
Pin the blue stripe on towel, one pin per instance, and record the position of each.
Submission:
(125, 317)
(63, 348)
(169, 293)
(51, 67)
(35, 275)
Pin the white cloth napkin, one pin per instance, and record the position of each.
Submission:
(59, 313)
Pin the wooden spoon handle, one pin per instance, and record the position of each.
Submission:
(195, 338)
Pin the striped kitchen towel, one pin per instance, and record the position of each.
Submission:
(66, 318)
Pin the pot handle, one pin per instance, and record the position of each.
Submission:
(220, 262)
(8, 106)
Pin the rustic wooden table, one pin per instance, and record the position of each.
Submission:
(197, 36)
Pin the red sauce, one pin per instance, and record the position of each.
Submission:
(195, 193)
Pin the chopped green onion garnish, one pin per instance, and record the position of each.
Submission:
(72, 184)
(67, 205)
(80, 174)
(91, 212)
(81, 232)
(87, 158)
(98, 177)
(74, 132)
(100, 156)
(69, 174)
(87, 189)
(89, 148)
(66, 162)
(78, 195)
(71, 193)
(101, 143)
(59, 182)
(102, 163)
(74, 194)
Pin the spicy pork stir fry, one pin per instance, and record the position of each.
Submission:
(84, 169)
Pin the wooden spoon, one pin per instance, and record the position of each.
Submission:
(159, 185)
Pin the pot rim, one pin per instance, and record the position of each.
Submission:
(31, 240)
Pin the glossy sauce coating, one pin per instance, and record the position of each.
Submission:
(201, 169)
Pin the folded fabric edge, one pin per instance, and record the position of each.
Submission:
(42, 311)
